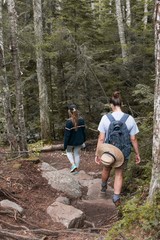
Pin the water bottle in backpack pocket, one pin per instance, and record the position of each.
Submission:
(118, 134)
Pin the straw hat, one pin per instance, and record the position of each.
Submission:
(110, 155)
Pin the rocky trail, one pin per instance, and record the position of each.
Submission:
(56, 204)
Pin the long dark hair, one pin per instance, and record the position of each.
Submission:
(116, 99)
(74, 115)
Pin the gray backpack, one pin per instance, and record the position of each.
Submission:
(118, 134)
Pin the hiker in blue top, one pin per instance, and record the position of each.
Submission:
(74, 137)
(107, 122)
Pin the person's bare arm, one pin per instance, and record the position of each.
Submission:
(101, 139)
(136, 148)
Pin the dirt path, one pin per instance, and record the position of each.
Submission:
(22, 182)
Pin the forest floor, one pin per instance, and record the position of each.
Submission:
(21, 182)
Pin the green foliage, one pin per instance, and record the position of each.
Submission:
(139, 216)
(138, 176)
(143, 94)
(36, 147)
(82, 59)
(146, 132)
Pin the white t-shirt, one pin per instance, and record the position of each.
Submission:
(130, 122)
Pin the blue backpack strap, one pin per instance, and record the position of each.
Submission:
(124, 117)
(110, 117)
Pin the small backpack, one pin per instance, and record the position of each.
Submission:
(118, 134)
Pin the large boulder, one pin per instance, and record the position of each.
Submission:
(61, 181)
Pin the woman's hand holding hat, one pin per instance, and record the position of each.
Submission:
(138, 159)
(97, 160)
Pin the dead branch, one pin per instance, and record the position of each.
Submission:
(28, 223)
(46, 232)
(88, 223)
(123, 237)
(6, 212)
(61, 147)
(3, 178)
(112, 219)
(10, 214)
(11, 159)
(8, 195)
(52, 148)
(92, 129)
(5, 233)
(57, 232)
(13, 226)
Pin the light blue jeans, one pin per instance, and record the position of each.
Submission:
(73, 154)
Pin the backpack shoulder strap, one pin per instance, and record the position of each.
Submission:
(124, 117)
(110, 117)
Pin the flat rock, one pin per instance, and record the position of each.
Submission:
(69, 216)
(7, 204)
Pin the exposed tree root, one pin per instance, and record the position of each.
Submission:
(6, 233)
(8, 195)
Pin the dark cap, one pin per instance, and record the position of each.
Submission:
(72, 107)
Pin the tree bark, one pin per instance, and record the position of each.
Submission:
(110, 5)
(17, 74)
(58, 5)
(43, 94)
(145, 18)
(121, 30)
(92, 5)
(128, 15)
(155, 179)
(9, 126)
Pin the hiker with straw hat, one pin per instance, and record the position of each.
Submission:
(111, 156)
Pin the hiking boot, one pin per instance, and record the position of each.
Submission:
(75, 172)
(103, 189)
(73, 168)
(117, 202)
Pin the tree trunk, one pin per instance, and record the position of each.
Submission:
(100, 9)
(128, 15)
(145, 18)
(58, 5)
(19, 92)
(61, 91)
(43, 94)
(155, 179)
(121, 30)
(9, 126)
(110, 5)
(92, 5)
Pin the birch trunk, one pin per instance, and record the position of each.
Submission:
(17, 75)
(128, 14)
(9, 126)
(121, 30)
(145, 18)
(58, 5)
(110, 5)
(155, 179)
(92, 5)
(43, 95)
(100, 8)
